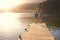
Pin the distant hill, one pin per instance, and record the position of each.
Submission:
(28, 7)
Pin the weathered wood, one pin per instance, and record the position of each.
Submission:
(37, 32)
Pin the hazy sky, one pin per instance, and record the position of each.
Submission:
(32, 1)
(6, 4)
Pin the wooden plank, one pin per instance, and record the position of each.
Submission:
(37, 32)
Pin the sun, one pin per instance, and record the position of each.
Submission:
(7, 4)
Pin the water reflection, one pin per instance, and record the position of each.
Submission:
(12, 25)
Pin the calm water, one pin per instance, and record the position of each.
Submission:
(11, 26)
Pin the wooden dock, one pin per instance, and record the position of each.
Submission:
(37, 31)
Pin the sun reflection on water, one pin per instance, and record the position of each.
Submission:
(9, 21)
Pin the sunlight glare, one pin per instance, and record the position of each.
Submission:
(9, 21)
(7, 4)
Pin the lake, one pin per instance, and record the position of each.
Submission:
(13, 24)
